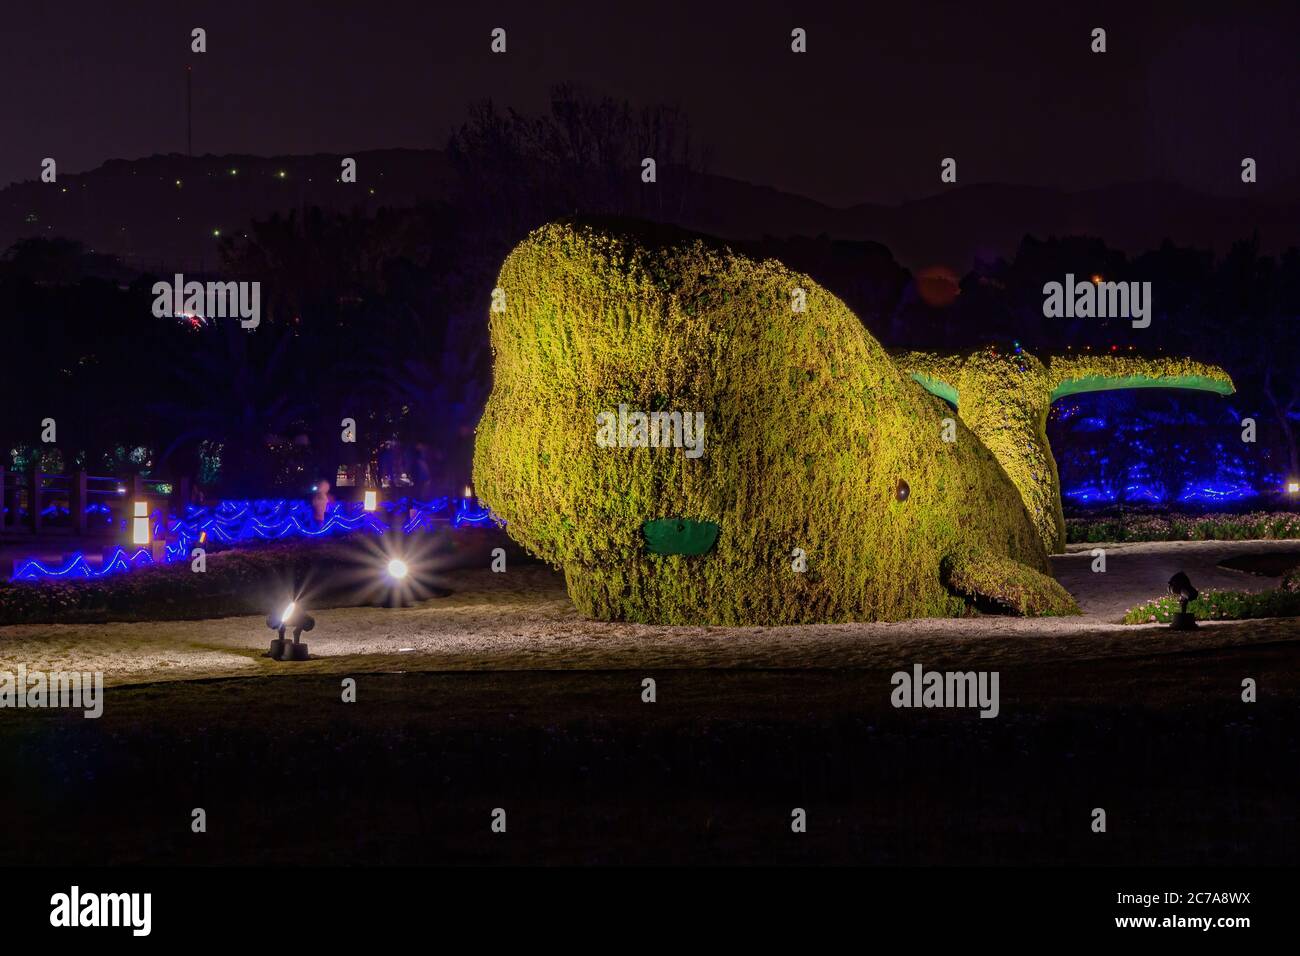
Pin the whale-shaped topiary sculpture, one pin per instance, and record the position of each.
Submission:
(698, 438)
(1004, 398)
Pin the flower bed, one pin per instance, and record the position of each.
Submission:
(1221, 606)
(1144, 526)
(237, 581)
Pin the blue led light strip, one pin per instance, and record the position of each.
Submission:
(233, 522)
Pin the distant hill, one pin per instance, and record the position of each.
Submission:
(955, 227)
(164, 210)
(161, 212)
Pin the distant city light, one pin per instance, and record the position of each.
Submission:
(372, 501)
(1293, 486)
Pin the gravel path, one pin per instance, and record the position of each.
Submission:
(523, 620)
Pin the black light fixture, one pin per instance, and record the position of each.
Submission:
(1181, 586)
(291, 617)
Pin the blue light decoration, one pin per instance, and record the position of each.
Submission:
(236, 522)
(78, 567)
(471, 515)
(1206, 490)
(1221, 491)
(1117, 448)
(231, 522)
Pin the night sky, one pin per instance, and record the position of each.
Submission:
(883, 94)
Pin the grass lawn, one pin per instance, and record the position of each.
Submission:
(709, 773)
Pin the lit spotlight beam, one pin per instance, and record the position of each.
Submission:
(292, 616)
(395, 570)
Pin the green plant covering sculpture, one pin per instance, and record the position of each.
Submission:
(818, 486)
(1004, 399)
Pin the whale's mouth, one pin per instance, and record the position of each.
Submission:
(679, 536)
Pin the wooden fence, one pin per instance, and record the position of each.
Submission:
(28, 496)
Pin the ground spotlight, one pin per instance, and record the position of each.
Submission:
(1181, 586)
(397, 569)
(291, 617)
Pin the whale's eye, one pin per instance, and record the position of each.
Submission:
(902, 491)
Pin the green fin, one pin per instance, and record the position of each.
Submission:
(1007, 583)
(679, 536)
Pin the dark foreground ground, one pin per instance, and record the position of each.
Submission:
(587, 773)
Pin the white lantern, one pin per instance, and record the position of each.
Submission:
(140, 533)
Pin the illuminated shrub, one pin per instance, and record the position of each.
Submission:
(1004, 399)
(814, 444)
